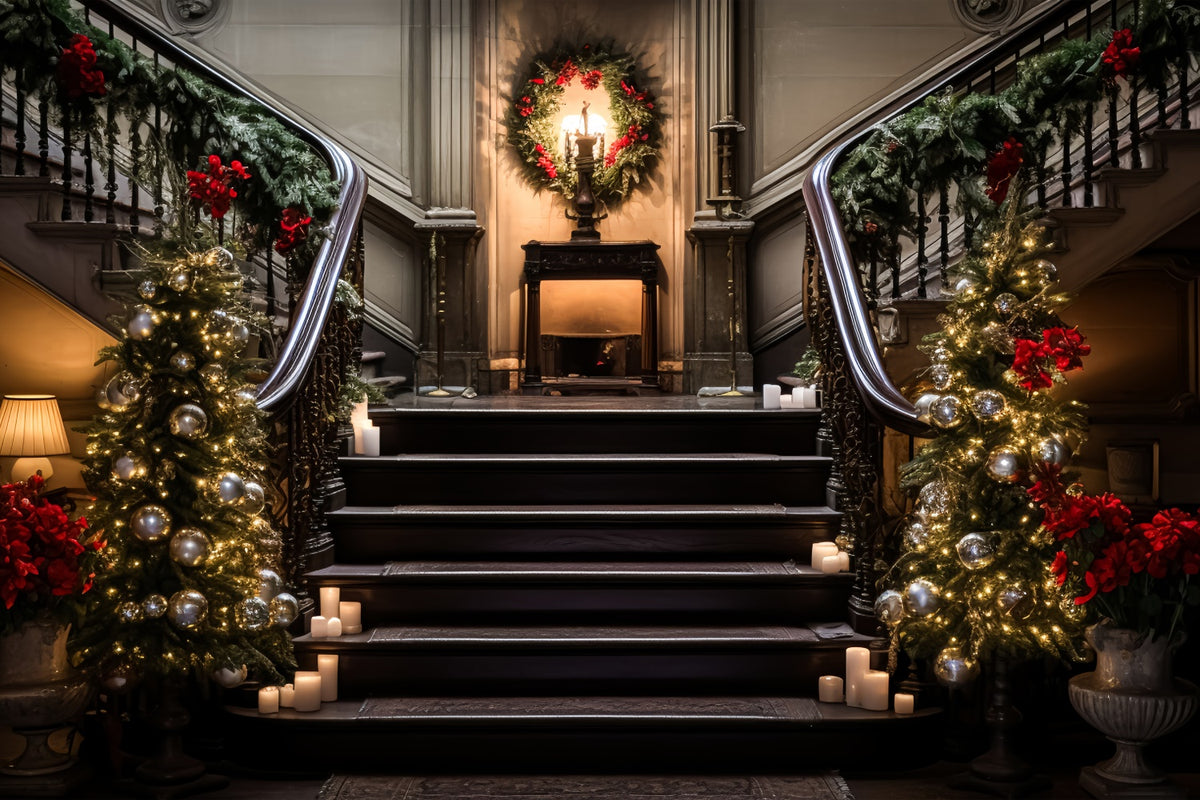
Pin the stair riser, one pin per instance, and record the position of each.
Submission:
(580, 432)
(365, 541)
(501, 605)
(385, 483)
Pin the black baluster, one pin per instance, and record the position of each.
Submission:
(1135, 120)
(19, 166)
(922, 229)
(66, 168)
(1114, 153)
(158, 181)
(1039, 173)
(44, 137)
(1066, 166)
(89, 180)
(110, 136)
(873, 273)
(895, 254)
(968, 230)
(1185, 121)
(271, 283)
(1162, 107)
(944, 219)
(1089, 155)
(135, 156)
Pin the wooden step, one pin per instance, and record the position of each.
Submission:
(580, 591)
(583, 659)
(448, 478)
(375, 534)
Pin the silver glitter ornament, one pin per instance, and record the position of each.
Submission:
(935, 498)
(240, 332)
(965, 285)
(189, 547)
(940, 354)
(1004, 465)
(976, 550)
(179, 279)
(284, 609)
(947, 412)
(129, 612)
(953, 669)
(1015, 602)
(941, 377)
(251, 614)
(154, 606)
(889, 607)
(151, 523)
(998, 337)
(923, 405)
(213, 374)
(916, 535)
(230, 488)
(988, 405)
(115, 392)
(141, 325)
(183, 361)
(147, 289)
(254, 499)
(269, 584)
(187, 609)
(922, 598)
(1045, 272)
(188, 420)
(248, 395)
(1051, 451)
(230, 677)
(219, 258)
(1005, 304)
(129, 466)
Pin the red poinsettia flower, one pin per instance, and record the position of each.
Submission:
(1120, 57)
(1028, 364)
(538, 81)
(213, 189)
(77, 73)
(592, 79)
(1059, 567)
(566, 73)
(545, 162)
(1002, 167)
(1066, 347)
(293, 230)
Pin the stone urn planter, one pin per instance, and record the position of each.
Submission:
(39, 693)
(1132, 699)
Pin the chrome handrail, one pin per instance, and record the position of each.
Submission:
(316, 299)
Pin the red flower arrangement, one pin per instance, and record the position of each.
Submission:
(293, 230)
(634, 134)
(1139, 575)
(1120, 57)
(1061, 349)
(213, 190)
(41, 553)
(1002, 167)
(545, 162)
(566, 73)
(77, 73)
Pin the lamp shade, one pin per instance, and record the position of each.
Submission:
(32, 425)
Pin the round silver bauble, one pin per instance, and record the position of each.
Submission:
(154, 606)
(188, 420)
(183, 361)
(115, 393)
(147, 289)
(230, 488)
(239, 332)
(129, 612)
(213, 374)
(941, 376)
(269, 584)
(988, 405)
(254, 500)
(230, 677)
(1005, 304)
(965, 285)
(141, 325)
(998, 337)
(947, 412)
(1045, 272)
(189, 547)
(953, 669)
(922, 598)
(976, 550)
(247, 395)
(1051, 451)
(219, 258)
(1015, 602)
(251, 614)
(179, 279)
(1004, 465)
(187, 609)
(284, 609)
(889, 607)
(129, 466)
(935, 498)
(940, 354)
(923, 405)
(151, 523)
(916, 535)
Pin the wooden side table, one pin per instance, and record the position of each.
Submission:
(590, 260)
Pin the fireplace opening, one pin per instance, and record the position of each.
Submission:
(581, 356)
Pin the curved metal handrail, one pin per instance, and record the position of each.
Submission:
(316, 299)
(876, 388)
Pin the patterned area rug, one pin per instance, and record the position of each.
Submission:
(585, 787)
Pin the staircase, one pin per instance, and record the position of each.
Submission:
(588, 584)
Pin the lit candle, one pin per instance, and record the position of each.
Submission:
(330, 597)
(820, 550)
(903, 702)
(358, 414)
(327, 666)
(268, 700)
(350, 612)
(370, 441)
(873, 691)
(829, 689)
(333, 627)
(307, 696)
(771, 395)
(785, 402)
(831, 564)
(287, 696)
(858, 663)
(318, 628)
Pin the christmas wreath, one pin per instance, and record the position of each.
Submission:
(627, 151)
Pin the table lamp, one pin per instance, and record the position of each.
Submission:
(31, 428)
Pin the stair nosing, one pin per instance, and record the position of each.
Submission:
(746, 511)
(757, 572)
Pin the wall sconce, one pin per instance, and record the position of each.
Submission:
(31, 428)
(727, 202)
(583, 138)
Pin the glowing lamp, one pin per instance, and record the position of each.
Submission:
(31, 428)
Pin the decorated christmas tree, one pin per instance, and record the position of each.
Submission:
(973, 578)
(176, 460)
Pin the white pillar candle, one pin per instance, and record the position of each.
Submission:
(330, 597)
(287, 696)
(318, 627)
(333, 627)
(350, 612)
(829, 689)
(370, 441)
(903, 702)
(327, 666)
(307, 696)
(358, 439)
(771, 394)
(858, 663)
(820, 550)
(873, 691)
(268, 700)
(843, 561)
(831, 564)
(805, 397)
(358, 414)
(785, 402)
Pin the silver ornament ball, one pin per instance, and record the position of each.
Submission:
(916, 535)
(965, 285)
(922, 598)
(976, 550)
(183, 361)
(1051, 451)
(188, 420)
(187, 609)
(240, 332)
(129, 466)
(252, 613)
(129, 612)
(1005, 304)
(213, 374)
(284, 609)
(941, 377)
(254, 499)
(889, 607)
(924, 404)
(147, 289)
(230, 488)
(947, 412)
(935, 498)
(230, 677)
(247, 395)
(115, 395)
(151, 523)
(189, 547)
(269, 584)
(1004, 465)
(1015, 602)
(218, 258)
(988, 405)
(154, 606)
(1045, 272)
(953, 669)
(940, 354)
(179, 279)
(141, 325)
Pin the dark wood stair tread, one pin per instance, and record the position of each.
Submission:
(606, 571)
(638, 512)
(558, 459)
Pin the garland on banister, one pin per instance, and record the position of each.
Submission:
(91, 78)
(976, 141)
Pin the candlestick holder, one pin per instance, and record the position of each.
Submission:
(585, 201)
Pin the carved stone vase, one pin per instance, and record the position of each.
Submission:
(1132, 699)
(39, 693)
